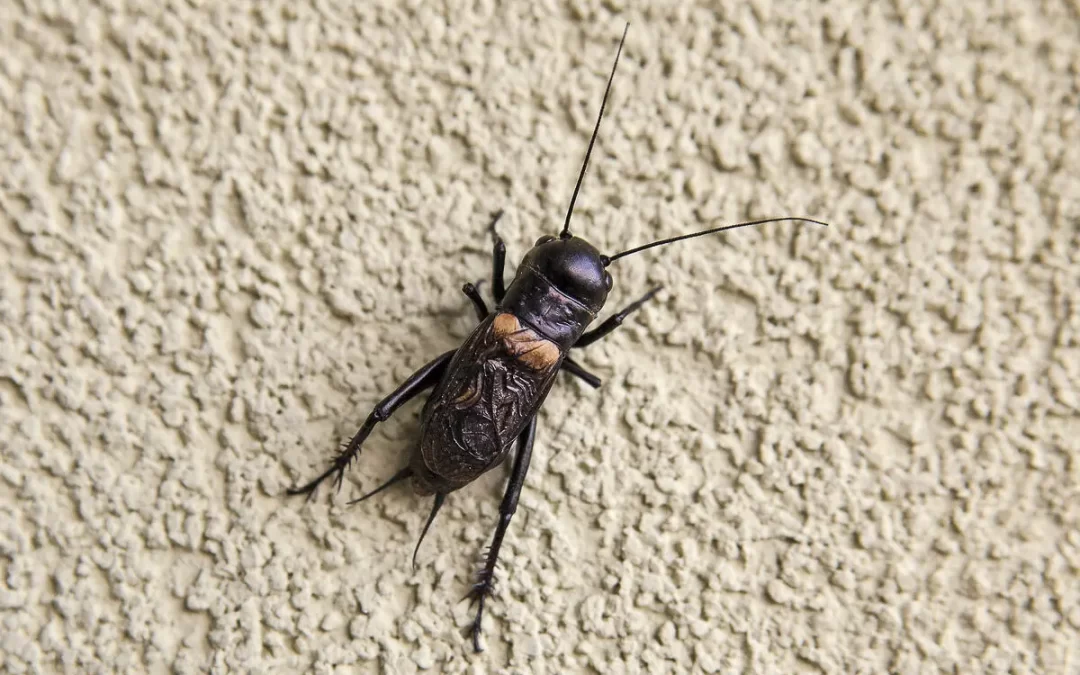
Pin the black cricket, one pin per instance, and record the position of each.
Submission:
(488, 390)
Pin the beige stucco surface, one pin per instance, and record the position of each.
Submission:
(228, 228)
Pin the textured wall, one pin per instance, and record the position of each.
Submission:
(228, 229)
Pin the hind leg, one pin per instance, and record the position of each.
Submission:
(486, 578)
(426, 377)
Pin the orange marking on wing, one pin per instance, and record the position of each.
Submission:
(543, 355)
(505, 325)
(524, 344)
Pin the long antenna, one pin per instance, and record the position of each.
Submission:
(584, 165)
(607, 260)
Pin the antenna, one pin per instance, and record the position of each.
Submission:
(584, 165)
(607, 260)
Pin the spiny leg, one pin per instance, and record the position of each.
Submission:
(426, 377)
(615, 320)
(574, 368)
(498, 261)
(473, 293)
(486, 577)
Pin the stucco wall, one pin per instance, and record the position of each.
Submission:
(228, 228)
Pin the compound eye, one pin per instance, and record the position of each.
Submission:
(544, 239)
(608, 282)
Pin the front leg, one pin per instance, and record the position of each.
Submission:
(473, 293)
(615, 320)
(498, 261)
(422, 379)
(486, 578)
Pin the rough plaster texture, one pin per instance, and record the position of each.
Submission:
(229, 227)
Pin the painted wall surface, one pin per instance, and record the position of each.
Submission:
(227, 229)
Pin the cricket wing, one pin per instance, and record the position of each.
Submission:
(496, 382)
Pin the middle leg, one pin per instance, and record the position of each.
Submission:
(486, 578)
(574, 368)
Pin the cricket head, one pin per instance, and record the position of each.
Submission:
(573, 266)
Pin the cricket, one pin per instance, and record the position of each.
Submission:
(487, 392)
